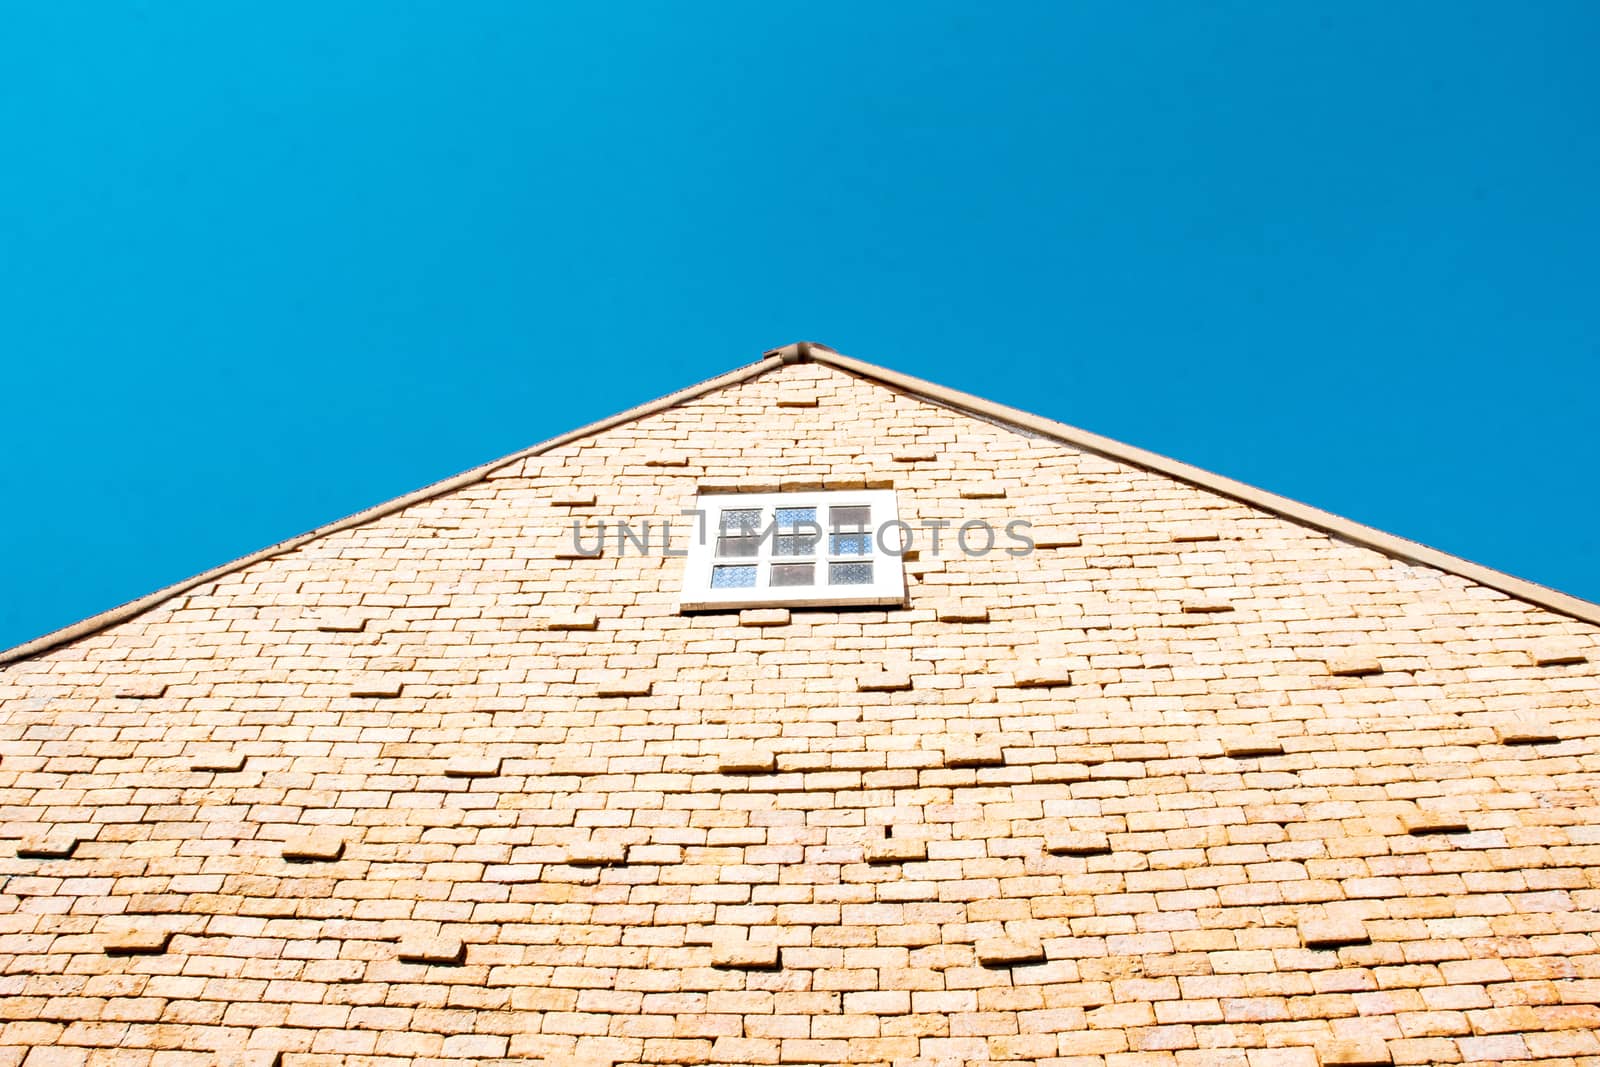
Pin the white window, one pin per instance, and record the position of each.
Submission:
(823, 549)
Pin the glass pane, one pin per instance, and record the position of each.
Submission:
(849, 574)
(738, 546)
(733, 577)
(856, 517)
(793, 573)
(741, 520)
(794, 544)
(789, 518)
(850, 545)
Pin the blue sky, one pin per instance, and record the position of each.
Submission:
(262, 265)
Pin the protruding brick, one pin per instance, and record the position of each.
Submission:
(1078, 843)
(224, 761)
(963, 611)
(1417, 823)
(914, 455)
(1054, 537)
(438, 951)
(732, 954)
(141, 689)
(597, 854)
(764, 617)
(1557, 653)
(378, 685)
(1526, 732)
(1354, 664)
(341, 622)
(482, 766)
(622, 684)
(1194, 534)
(1009, 952)
(1040, 674)
(139, 941)
(573, 498)
(883, 681)
(572, 620)
(56, 845)
(667, 459)
(591, 548)
(1205, 605)
(1333, 933)
(982, 491)
(1251, 747)
(896, 850)
(748, 761)
(315, 847)
(801, 397)
(1366, 1052)
(966, 754)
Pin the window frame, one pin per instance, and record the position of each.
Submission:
(888, 585)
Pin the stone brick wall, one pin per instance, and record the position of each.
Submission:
(1192, 785)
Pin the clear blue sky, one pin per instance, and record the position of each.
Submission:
(262, 265)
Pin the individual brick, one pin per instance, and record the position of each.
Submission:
(220, 762)
(341, 622)
(572, 620)
(1526, 732)
(667, 459)
(138, 941)
(597, 854)
(1354, 664)
(1009, 952)
(1557, 653)
(56, 845)
(748, 761)
(1193, 534)
(1418, 823)
(883, 681)
(972, 753)
(1041, 674)
(1333, 933)
(896, 850)
(764, 617)
(378, 685)
(742, 955)
(1251, 747)
(984, 490)
(568, 550)
(141, 689)
(438, 951)
(482, 766)
(1365, 1052)
(622, 684)
(1078, 843)
(572, 498)
(797, 397)
(914, 455)
(1045, 537)
(314, 847)
(1205, 605)
(962, 611)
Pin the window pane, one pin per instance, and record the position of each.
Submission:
(793, 573)
(850, 545)
(741, 520)
(733, 577)
(738, 546)
(794, 544)
(849, 574)
(850, 518)
(789, 518)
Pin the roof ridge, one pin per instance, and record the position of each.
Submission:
(1282, 506)
(811, 351)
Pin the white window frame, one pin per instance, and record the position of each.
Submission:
(888, 586)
